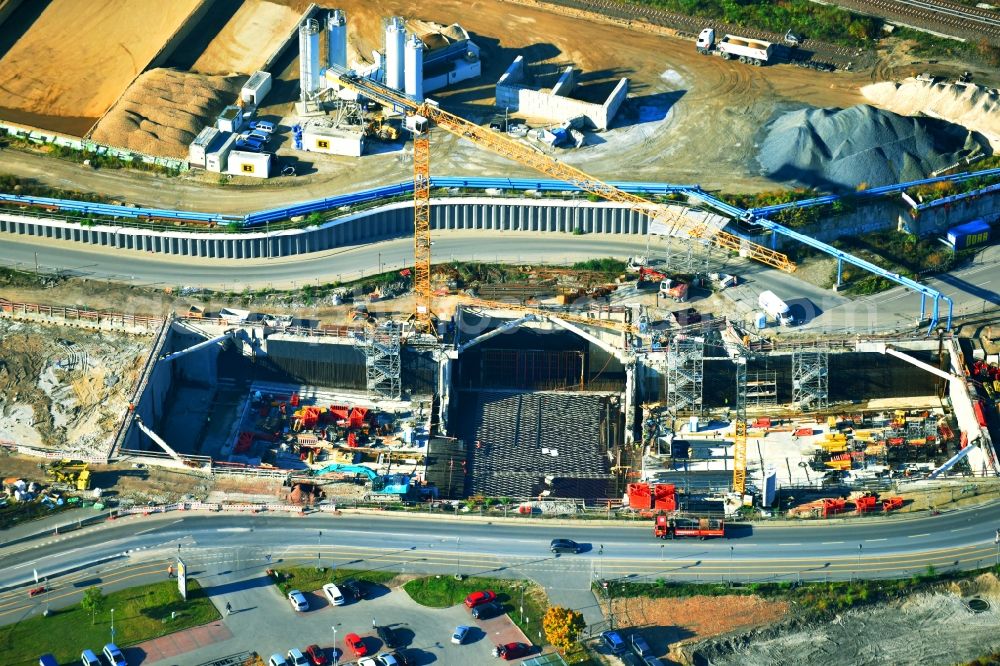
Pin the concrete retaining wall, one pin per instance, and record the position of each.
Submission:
(393, 220)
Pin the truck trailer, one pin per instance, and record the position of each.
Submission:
(671, 527)
(745, 49)
(776, 308)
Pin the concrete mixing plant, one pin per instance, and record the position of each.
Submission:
(336, 36)
(395, 39)
(414, 66)
(309, 59)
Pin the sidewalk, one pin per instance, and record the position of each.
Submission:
(167, 648)
(69, 519)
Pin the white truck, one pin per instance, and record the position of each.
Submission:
(776, 308)
(746, 50)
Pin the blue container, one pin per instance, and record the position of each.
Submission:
(971, 233)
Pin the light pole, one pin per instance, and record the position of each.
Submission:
(731, 549)
(112, 625)
(859, 560)
(319, 553)
(996, 540)
(458, 554)
(661, 552)
(335, 648)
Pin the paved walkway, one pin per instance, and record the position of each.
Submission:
(46, 526)
(166, 648)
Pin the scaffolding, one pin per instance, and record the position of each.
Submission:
(740, 427)
(761, 389)
(685, 374)
(380, 345)
(810, 379)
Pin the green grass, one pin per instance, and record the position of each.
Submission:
(607, 265)
(310, 579)
(141, 613)
(445, 591)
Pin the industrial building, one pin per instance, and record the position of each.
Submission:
(515, 93)
(230, 120)
(217, 155)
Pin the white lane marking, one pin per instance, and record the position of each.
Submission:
(789, 544)
(959, 529)
(882, 539)
(233, 529)
(829, 543)
(914, 536)
(158, 527)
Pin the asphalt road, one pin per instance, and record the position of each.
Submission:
(892, 547)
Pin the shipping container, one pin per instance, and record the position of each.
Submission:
(969, 234)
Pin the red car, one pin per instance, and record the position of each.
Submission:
(316, 656)
(481, 597)
(356, 645)
(512, 651)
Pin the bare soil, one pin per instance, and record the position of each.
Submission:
(936, 628)
(65, 388)
(76, 58)
(665, 622)
(247, 39)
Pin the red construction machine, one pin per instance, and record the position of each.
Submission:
(671, 527)
(669, 287)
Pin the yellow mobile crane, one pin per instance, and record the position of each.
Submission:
(419, 117)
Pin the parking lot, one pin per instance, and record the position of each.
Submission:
(263, 620)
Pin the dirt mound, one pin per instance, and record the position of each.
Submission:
(844, 148)
(75, 58)
(164, 109)
(971, 106)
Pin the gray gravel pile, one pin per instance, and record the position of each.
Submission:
(843, 148)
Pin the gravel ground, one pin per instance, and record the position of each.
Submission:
(923, 629)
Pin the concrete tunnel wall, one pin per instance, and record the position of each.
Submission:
(478, 213)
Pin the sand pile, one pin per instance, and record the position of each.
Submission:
(843, 148)
(974, 107)
(250, 37)
(164, 109)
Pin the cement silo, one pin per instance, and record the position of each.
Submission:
(414, 62)
(309, 58)
(395, 38)
(336, 35)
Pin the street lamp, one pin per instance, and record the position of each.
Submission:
(731, 549)
(458, 554)
(335, 649)
(859, 560)
(319, 553)
(112, 625)
(996, 540)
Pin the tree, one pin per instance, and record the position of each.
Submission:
(562, 626)
(93, 600)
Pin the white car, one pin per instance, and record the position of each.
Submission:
(296, 658)
(387, 660)
(298, 601)
(334, 594)
(277, 660)
(367, 661)
(458, 637)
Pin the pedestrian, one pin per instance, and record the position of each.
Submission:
(229, 608)
(170, 571)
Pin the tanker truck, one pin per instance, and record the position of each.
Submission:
(745, 49)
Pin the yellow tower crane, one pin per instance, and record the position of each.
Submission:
(420, 116)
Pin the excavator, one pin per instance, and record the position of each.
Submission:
(73, 473)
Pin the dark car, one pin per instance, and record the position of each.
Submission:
(614, 641)
(630, 659)
(640, 646)
(564, 546)
(354, 589)
(387, 636)
(402, 659)
(486, 611)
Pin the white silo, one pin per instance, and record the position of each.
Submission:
(336, 35)
(395, 38)
(309, 58)
(414, 62)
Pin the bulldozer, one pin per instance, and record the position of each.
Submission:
(73, 473)
(378, 128)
